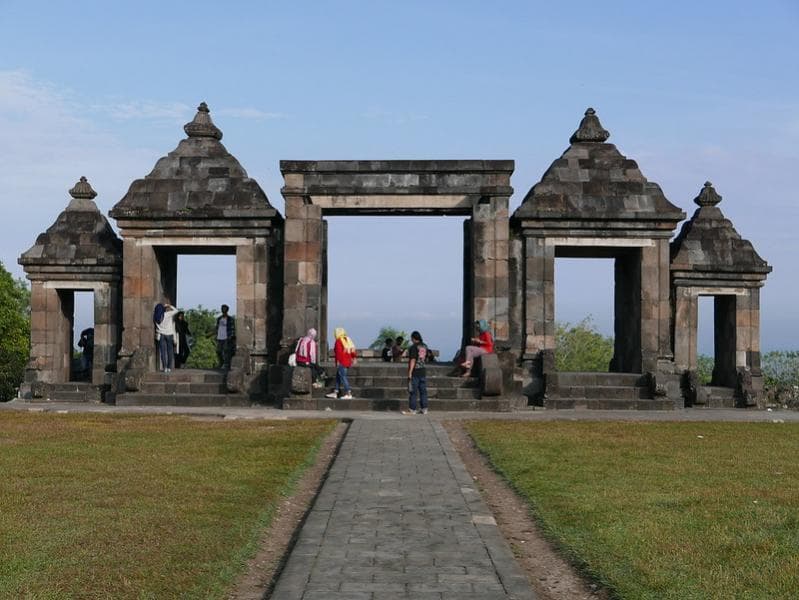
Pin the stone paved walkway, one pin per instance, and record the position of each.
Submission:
(399, 517)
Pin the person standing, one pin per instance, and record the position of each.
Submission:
(417, 376)
(345, 357)
(165, 334)
(225, 337)
(387, 354)
(182, 334)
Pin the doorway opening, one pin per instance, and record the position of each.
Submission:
(716, 341)
(402, 272)
(78, 306)
(598, 309)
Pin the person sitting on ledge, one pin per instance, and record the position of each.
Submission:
(482, 344)
(387, 354)
(396, 350)
(307, 353)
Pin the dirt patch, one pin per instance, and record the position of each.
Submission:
(552, 576)
(259, 576)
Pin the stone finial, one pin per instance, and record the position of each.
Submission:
(202, 125)
(590, 129)
(707, 196)
(83, 190)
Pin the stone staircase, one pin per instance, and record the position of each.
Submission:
(602, 391)
(183, 387)
(716, 397)
(384, 386)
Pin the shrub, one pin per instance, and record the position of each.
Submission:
(15, 331)
(581, 347)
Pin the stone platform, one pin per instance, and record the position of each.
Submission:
(183, 387)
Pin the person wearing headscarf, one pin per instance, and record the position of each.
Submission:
(482, 344)
(345, 357)
(307, 355)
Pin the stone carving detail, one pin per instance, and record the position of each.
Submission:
(202, 125)
(590, 129)
(83, 189)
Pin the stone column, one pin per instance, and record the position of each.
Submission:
(60, 323)
(655, 306)
(539, 296)
(490, 235)
(686, 313)
(468, 284)
(106, 329)
(141, 288)
(302, 292)
(726, 329)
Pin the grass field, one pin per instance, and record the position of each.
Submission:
(662, 510)
(100, 506)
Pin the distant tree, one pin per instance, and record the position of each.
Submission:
(780, 369)
(581, 347)
(704, 368)
(202, 324)
(387, 331)
(15, 331)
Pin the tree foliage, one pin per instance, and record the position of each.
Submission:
(202, 324)
(15, 331)
(581, 348)
(704, 368)
(387, 331)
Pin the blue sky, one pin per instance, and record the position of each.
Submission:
(692, 91)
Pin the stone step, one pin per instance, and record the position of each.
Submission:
(72, 386)
(69, 396)
(716, 397)
(402, 393)
(375, 404)
(606, 391)
(608, 404)
(597, 379)
(141, 399)
(402, 381)
(171, 387)
(390, 370)
(186, 376)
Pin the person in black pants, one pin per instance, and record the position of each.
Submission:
(417, 379)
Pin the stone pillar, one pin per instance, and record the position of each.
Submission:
(141, 288)
(651, 308)
(748, 332)
(539, 293)
(686, 311)
(61, 323)
(106, 330)
(468, 284)
(302, 292)
(516, 292)
(323, 322)
(629, 317)
(725, 339)
(490, 235)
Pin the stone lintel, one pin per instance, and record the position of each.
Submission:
(602, 242)
(396, 166)
(422, 204)
(196, 241)
(715, 290)
(716, 282)
(71, 284)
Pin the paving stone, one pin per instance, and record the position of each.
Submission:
(400, 519)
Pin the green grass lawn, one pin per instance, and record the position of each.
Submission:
(662, 510)
(100, 506)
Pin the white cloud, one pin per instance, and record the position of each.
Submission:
(255, 114)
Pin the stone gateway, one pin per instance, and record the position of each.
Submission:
(592, 202)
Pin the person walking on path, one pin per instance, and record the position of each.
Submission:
(182, 334)
(307, 353)
(345, 357)
(417, 380)
(482, 344)
(164, 320)
(225, 337)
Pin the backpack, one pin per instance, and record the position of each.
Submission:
(158, 313)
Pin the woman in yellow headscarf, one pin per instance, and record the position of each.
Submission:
(345, 358)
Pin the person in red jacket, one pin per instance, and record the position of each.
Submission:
(482, 344)
(345, 358)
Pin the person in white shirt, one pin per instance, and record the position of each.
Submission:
(165, 334)
(225, 337)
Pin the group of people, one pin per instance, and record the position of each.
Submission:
(174, 339)
(306, 354)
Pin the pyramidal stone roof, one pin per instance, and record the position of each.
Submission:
(709, 243)
(593, 180)
(199, 179)
(81, 235)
